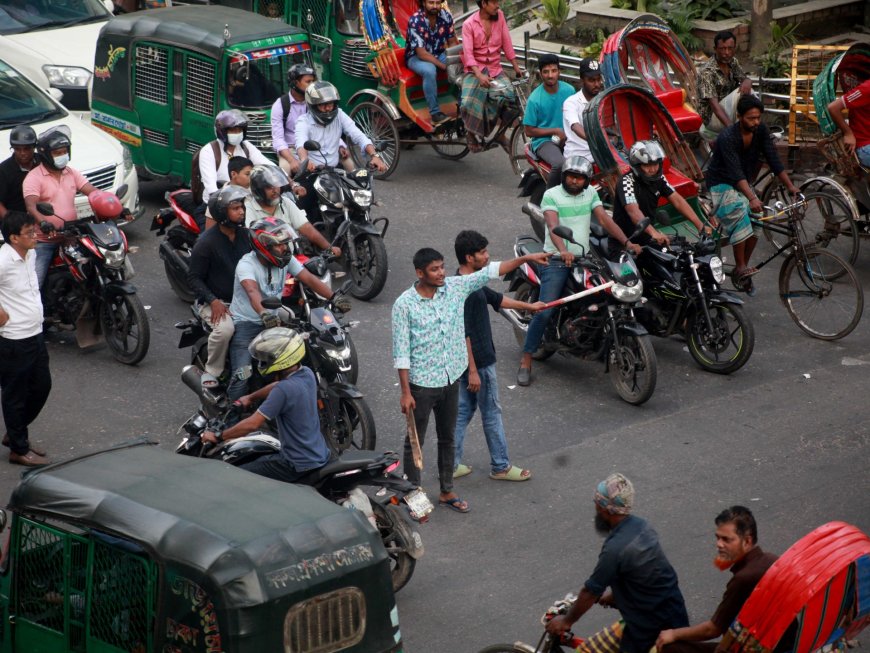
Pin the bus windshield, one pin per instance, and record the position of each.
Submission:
(257, 78)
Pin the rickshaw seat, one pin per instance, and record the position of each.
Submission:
(686, 118)
(680, 182)
(412, 80)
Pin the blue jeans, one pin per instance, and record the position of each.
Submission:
(490, 413)
(428, 72)
(44, 255)
(240, 358)
(863, 153)
(553, 279)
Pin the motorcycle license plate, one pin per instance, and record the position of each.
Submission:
(419, 503)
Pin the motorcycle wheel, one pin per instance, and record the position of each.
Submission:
(125, 328)
(369, 274)
(635, 379)
(526, 293)
(355, 427)
(179, 286)
(536, 197)
(728, 348)
(401, 563)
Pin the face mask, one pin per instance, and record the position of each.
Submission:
(235, 139)
(61, 161)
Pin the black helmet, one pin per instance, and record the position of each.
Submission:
(263, 177)
(219, 202)
(297, 71)
(319, 93)
(577, 165)
(644, 152)
(22, 135)
(53, 139)
(227, 120)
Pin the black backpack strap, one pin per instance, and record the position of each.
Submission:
(285, 106)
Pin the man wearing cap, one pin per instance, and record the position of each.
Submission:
(591, 84)
(643, 584)
(13, 170)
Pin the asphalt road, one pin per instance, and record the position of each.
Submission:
(788, 435)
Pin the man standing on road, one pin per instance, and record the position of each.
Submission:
(591, 83)
(25, 378)
(478, 387)
(721, 81)
(856, 132)
(736, 549)
(643, 584)
(430, 33)
(430, 353)
(14, 169)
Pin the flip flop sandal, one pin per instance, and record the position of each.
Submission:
(462, 470)
(209, 381)
(514, 473)
(455, 503)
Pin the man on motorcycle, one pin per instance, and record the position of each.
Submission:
(13, 170)
(736, 550)
(268, 201)
(733, 167)
(262, 273)
(721, 81)
(430, 33)
(642, 583)
(572, 203)
(291, 402)
(638, 193)
(55, 182)
(542, 121)
(591, 83)
(212, 266)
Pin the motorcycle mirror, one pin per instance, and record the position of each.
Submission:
(643, 224)
(565, 233)
(663, 218)
(271, 303)
(45, 208)
(311, 146)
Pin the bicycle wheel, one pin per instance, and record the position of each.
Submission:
(828, 224)
(374, 121)
(821, 293)
(518, 149)
(441, 141)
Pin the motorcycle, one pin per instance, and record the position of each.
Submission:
(343, 215)
(87, 287)
(339, 481)
(682, 287)
(600, 327)
(176, 247)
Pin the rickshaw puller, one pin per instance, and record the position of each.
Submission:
(430, 33)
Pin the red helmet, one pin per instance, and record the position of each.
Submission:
(266, 235)
(105, 205)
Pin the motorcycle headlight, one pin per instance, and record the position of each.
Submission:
(362, 198)
(627, 294)
(114, 258)
(716, 269)
(340, 355)
(67, 76)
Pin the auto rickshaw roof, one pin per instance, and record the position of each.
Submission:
(197, 27)
(203, 514)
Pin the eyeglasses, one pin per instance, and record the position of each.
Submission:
(28, 233)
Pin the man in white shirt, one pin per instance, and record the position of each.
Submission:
(591, 84)
(25, 378)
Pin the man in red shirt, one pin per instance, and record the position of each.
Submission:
(856, 132)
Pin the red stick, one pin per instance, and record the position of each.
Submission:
(578, 295)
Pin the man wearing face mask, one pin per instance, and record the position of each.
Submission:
(55, 182)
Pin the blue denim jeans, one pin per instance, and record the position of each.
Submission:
(863, 153)
(428, 72)
(553, 279)
(240, 358)
(44, 254)
(490, 414)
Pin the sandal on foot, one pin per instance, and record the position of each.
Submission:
(462, 470)
(209, 381)
(512, 473)
(473, 145)
(455, 503)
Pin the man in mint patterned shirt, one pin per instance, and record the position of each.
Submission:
(430, 352)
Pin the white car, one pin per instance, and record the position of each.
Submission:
(53, 42)
(103, 160)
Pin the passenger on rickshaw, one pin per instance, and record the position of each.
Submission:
(721, 81)
(639, 191)
(286, 111)
(736, 550)
(591, 83)
(485, 35)
(856, 132)
(734, 165)
(542, 121)
(430, 33)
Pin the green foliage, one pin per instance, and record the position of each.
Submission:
(772, 63)
(554, 13)
(680, 17)
(594, 37)
(717, 9)
(642, 6)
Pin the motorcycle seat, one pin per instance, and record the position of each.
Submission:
(529, 245)
(349, 460)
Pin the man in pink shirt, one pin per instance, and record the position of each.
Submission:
(485, 36)
(53, 181)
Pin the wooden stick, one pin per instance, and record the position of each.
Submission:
(416, 452)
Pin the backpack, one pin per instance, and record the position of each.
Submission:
(196, 186)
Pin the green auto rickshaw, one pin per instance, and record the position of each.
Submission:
(161, 77)
(140, 550)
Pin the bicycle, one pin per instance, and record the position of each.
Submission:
(810, 275)
(548, 643)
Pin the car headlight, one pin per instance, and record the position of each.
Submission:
(128, 159)
(67, 76)
(114, 258)
(627, 294)
(362, 198)
(716, 269)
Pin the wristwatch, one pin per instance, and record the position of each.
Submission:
(219, 436)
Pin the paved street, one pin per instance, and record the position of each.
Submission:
(788, 435)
